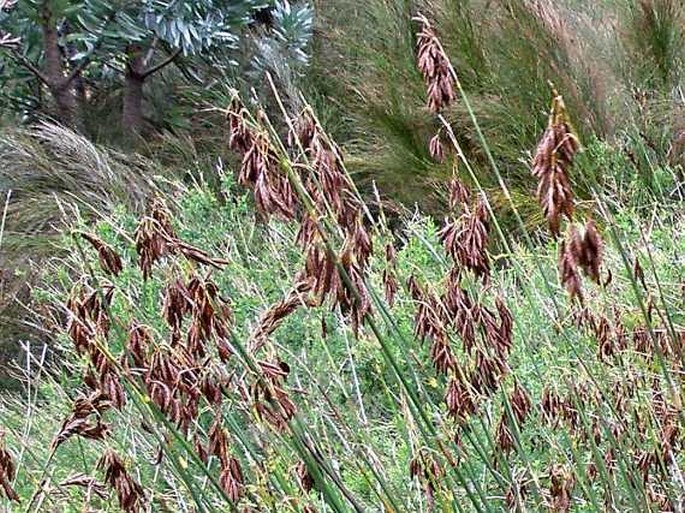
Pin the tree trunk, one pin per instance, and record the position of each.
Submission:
(66, 105)
(132, 117)
(59, 85)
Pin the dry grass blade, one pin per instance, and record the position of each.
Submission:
(90, 484)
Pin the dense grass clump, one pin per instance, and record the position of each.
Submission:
(213, 360)
(618, 66)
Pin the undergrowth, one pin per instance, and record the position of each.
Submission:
(279, 347)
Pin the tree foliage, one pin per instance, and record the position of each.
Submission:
(75, 49)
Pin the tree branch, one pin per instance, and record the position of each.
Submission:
(89, 56)
(150, 51)
(164, 63)
(21, 59)
(83, 63)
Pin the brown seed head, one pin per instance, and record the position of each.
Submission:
(466, 240)
(7, 470)
(459, 194)
(110, 261)
(80, 422)
(459, 400)
(568, 267)
(589, 254)
(504, 438)
(553, 158)
(520, 403)
(304, 477)
(277, 313)
(436, 149)
(435, 67)
(152, 234)
(561, 487)
(231, 479)
(129, 492)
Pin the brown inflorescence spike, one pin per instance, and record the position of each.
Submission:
(589, 254)
(129, 492)
(277, 313)
(152, 235)
(390, 284)
(435, 67)
(568, 267)
(7, 470)
(110, 261)
(231, 479)
(459, 194)
(553, 158)
(459, 400)
(78, 422)
(304, 477)
(466, 240)
(436, 149)
(561, 487)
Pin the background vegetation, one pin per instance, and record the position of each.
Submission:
(202, 315)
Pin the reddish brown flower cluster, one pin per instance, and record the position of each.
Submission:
(7, 471)
(177, 375)
(340, 277)
(87, 483)
(260, 169)
(553, 157)
(110, 261)
(155, 238)
(330, 194)
(466, 240)
(79, 422)
(435, 67)
(580, 253)
(231, 476)
(434, 319)
(436, 149)
(129, 492)
(390, 285)
(561, 487)
(425, 468)
(272, 402)
(459, 194)
(172, 380)
(304, 478)
(210, 316)
(88, 327)
(460, 400)
(520, 404)
(151, 236)
(277, 313)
